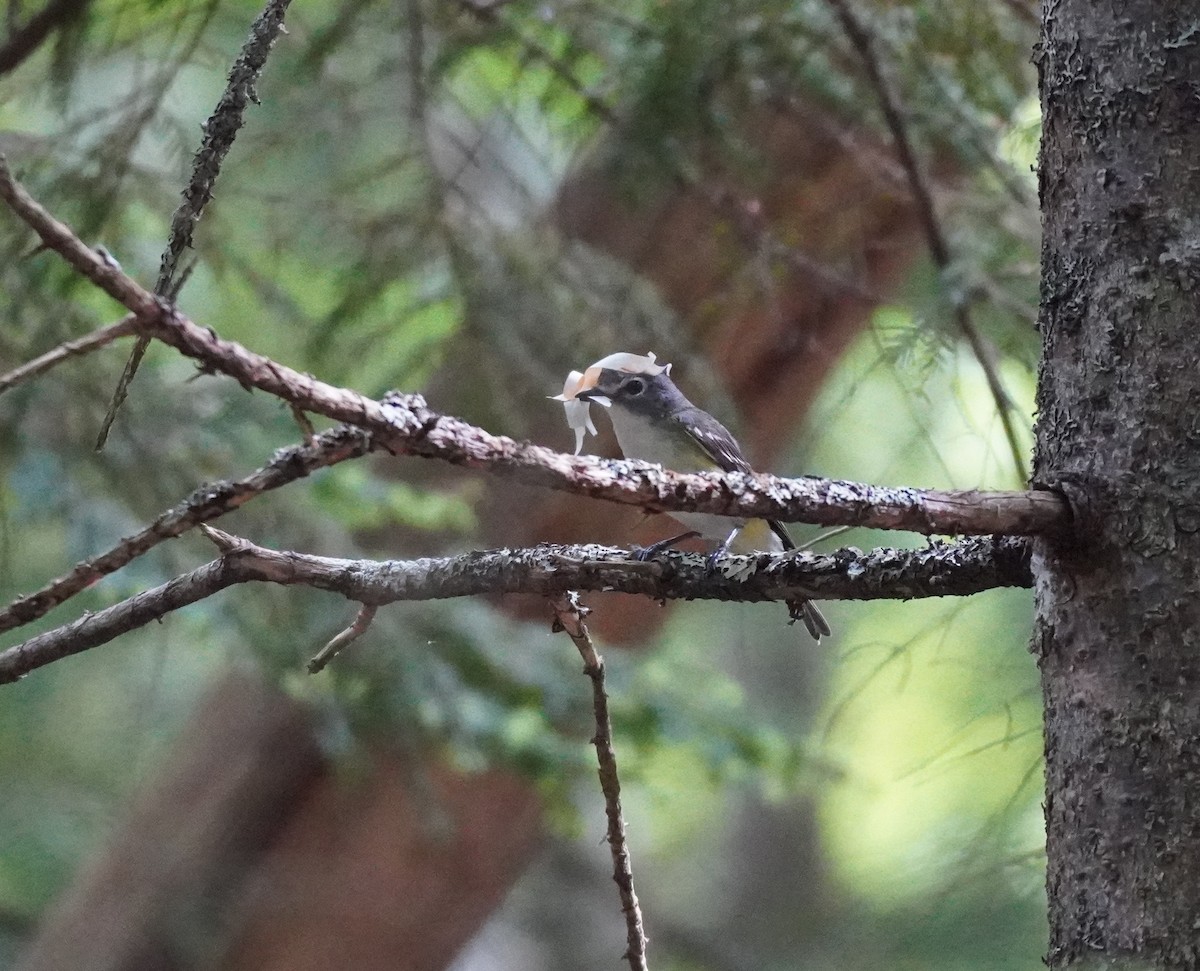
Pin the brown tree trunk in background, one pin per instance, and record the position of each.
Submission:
(769, 329)
(156, 895)
(397, 870)
(247, 852)
(1118, 630)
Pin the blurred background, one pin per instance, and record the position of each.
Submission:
(470, 199)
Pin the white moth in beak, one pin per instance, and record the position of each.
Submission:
(579, 416)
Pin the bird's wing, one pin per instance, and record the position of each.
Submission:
(715, 439)
(780, 530)
(722, 448)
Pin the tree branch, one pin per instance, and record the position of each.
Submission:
(24, 41)
(893, 113)
(568, 616)
(360, 625)
(91, 630)
(204, 505)
(75, 347)
(958, 569)
(219, 132)
(404, 424)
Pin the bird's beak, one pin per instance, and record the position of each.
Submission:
(594, 396)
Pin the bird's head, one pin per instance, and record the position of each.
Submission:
(640, 393)
(633, 382)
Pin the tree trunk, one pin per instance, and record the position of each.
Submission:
(1118, 612)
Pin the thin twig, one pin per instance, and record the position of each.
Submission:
(304, 424)
(24, 41)
(204, 505)
(366, 614)
(569, 616)
(75, 347)
(956, 569)
(827, 535)
(893, 113)
(403, 423)
(219, 132)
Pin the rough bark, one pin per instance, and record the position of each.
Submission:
(1118, 616)
(959, 569)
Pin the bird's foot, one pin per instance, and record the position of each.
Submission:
(710, 561)
(644, 553)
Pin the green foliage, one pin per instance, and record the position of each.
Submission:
(356, 500)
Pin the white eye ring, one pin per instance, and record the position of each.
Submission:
(634, 387)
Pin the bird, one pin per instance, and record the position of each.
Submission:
(654, 421)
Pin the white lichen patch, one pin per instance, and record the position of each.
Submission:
(739, 567)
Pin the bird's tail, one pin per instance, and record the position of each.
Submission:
(804, 610)
(814, 620)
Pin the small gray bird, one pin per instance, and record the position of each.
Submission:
(655, 422)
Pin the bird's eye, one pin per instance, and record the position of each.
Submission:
(634, 387)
